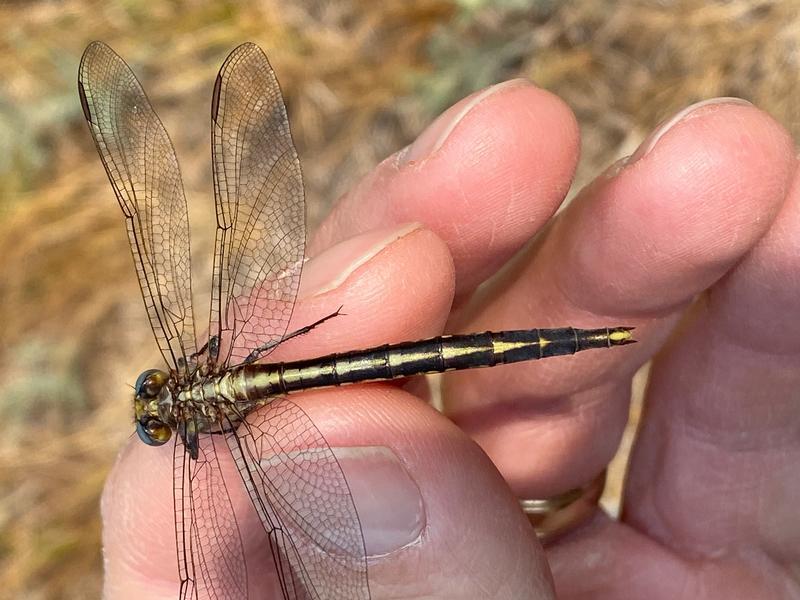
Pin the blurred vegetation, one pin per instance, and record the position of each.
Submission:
(361, 79)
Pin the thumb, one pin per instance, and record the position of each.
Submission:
(438, 519)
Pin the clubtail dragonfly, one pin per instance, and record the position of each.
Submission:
(218, 397)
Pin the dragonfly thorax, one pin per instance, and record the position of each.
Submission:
(163, 404)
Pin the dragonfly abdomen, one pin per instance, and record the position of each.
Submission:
(435, 355)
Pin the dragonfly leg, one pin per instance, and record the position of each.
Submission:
(211, 347)
(201, 351)
(266, 347)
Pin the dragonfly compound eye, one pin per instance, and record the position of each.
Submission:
(153, 432)
(150, 383)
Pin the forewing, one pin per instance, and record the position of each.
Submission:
(211, 561)
(258, 186)
(141, 165)
(304, 503)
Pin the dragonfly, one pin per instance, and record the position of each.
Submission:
(220, 397)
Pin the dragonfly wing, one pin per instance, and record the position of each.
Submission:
(304, 503)
(258, 186)
(141, 164)
(211, 560)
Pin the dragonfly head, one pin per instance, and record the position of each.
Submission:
(153, 407)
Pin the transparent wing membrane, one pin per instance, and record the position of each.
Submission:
(140, 162)
(295, 487)
(211, 560)
(260, 203)
(303, 502)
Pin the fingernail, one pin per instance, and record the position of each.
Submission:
(650, 141)
(387, 499)
(328, 270)
(430, 140)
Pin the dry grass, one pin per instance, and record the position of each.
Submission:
(361, 79)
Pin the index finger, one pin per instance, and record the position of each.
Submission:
(485, 176)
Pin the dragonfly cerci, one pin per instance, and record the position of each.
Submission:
(219, 397)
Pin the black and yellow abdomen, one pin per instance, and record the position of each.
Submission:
(435, 355)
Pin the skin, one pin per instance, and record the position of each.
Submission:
(694, 240)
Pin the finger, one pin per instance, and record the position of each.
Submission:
(713, 477)
(381, 280)
(716, 463)
(472, 537)
(485, 176)
(422, 489)
(624, 565)
(413, 474)
(633, 249)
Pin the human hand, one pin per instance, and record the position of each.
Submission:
(706, 206)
